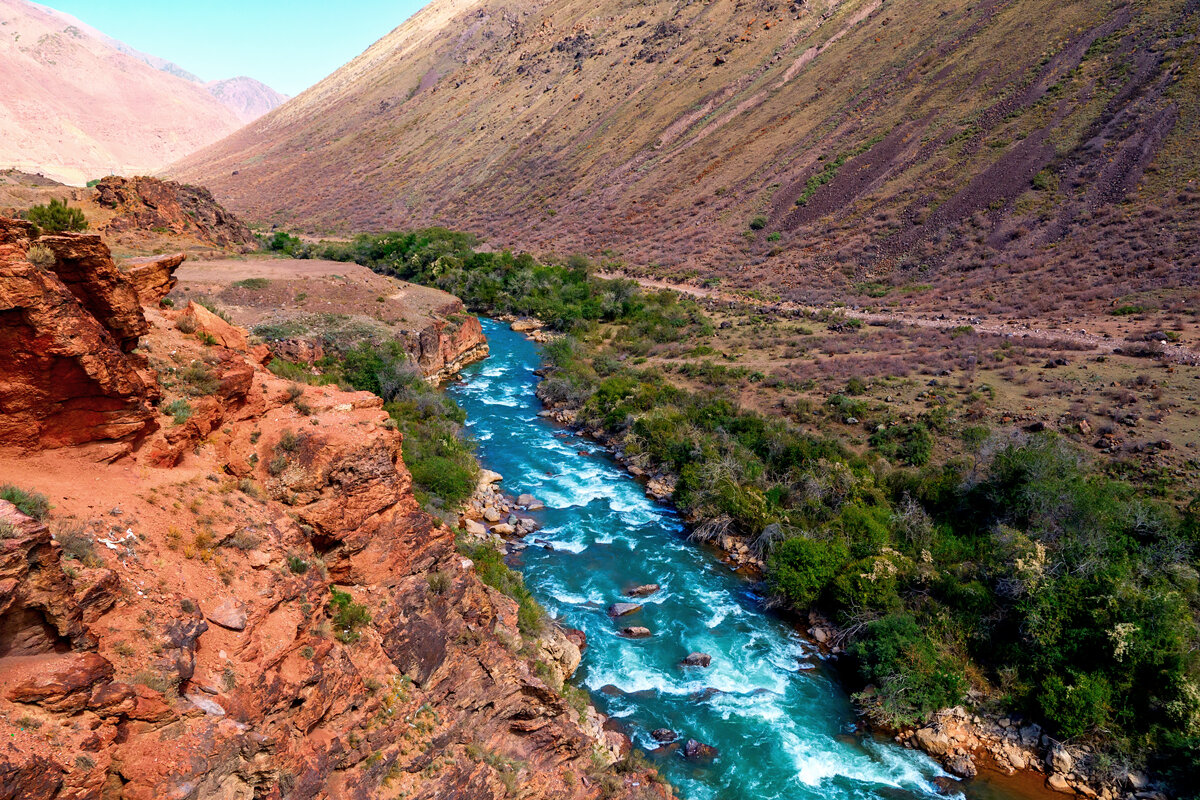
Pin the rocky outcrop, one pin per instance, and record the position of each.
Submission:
(66, 328)
(966, 742)
(38, 613)
(85, 266)
(318, 636)
(153, 277)
(454, 340)
(147, 204)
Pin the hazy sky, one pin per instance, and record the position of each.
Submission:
(287, 44)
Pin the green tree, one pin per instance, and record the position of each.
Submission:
(57, 217)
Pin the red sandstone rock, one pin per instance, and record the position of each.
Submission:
(153, 278)
(85, 266)
(65, 683)
(66, 378)
(38, 613)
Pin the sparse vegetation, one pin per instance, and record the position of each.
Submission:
(30, 503)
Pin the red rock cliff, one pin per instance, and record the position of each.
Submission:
(67, 326)
(171, 630)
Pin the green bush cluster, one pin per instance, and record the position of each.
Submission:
(441, 461)
(348, 616)
(30, 503)
(57, 217)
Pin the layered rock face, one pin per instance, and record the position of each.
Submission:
(254, 605)
(67, 328)
(453, 340)
(144, 203)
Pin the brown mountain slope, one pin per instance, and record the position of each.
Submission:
(820, 147)
(73, 107)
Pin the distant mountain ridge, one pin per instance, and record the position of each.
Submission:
(249, 98)
(824, 148)
(76, 104)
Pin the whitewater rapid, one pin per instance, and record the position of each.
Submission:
(783, 726)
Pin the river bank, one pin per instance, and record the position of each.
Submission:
(998, 751)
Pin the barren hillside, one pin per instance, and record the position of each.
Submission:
(74, 107)
(827, 148)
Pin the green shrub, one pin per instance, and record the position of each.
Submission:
(199, 379)
(180, 410)
(909, 444)
(758, 223)
(1077, 706)
(57, 217)
(869, 583)
(29, 503)
(252, 283)
(912, 675)
(801, 569)
(348, 616)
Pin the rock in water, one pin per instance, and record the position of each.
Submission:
(530, 502)
(644, 591)
(697, 751)
(636, 632)
(622, 609)
(697, 660)
(663, 735)
(962, 766)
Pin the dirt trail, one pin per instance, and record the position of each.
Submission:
(1105, 344)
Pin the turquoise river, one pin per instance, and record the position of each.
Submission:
(782, 724)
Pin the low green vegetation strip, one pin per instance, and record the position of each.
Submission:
(1018, 570)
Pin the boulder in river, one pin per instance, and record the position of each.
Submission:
(663, 735)
(635, 632)
(577, 637)
(622, 609)
(698, 751)
(530, 502)
(645, 590)
(697, 660)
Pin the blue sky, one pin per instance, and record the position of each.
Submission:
(287, 44)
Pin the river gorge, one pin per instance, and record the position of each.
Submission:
(781, 723)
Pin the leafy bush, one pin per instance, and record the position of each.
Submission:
(909, 444)
(801, 569)
(912, 675)
(348, 616)
(252, 283)
(180, 410)
(57, 217)
(29, 503)
(199, 379)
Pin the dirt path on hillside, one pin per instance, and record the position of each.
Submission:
(1104, 344)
